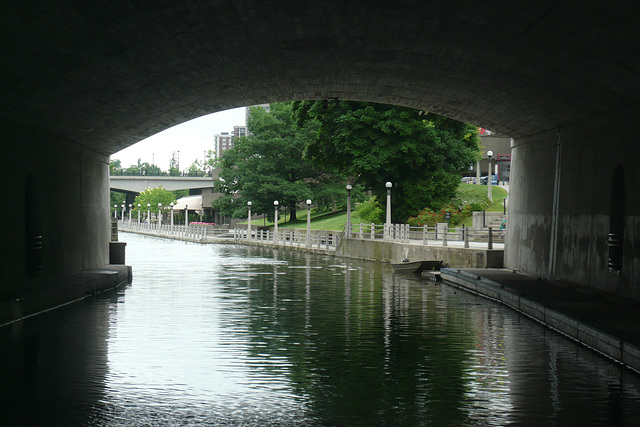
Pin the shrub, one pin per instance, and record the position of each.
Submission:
(431, 218)
(370, 211)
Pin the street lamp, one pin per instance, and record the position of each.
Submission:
(186, 217)
(308, 222)
(159, 214)
(388, 222)
(249, 220)
(171, 204)
(139, 210)
(149, 214)
(489, 176)
(130, 207)
(115, 211)
(349, 187)
(275, 224)
(123, 213)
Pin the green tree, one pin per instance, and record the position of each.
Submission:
(270, 165)
(421, 154)
(117, 198)
(174, 167)
(210, 163)
(195, 169)
(115, 166)
(153, 196)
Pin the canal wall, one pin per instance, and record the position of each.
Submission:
(64, 291)
(387, 251)
(614, 344)
(393, 252)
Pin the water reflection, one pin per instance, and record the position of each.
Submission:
(238, 335)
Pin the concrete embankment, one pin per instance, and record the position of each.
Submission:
(603, 322)
(48, 296)
(390, 251)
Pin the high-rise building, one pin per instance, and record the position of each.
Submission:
(222, 142)
(238, 131)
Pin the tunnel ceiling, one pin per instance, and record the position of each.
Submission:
(107, 74)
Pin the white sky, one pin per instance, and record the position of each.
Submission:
(192, 139)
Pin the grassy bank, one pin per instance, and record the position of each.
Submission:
(336, 221)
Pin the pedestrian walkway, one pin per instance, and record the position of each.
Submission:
(605, 322)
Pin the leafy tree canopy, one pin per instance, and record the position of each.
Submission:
(269, 165)
(421, 154)
(153, 196)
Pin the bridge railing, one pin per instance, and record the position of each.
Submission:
(138, 172)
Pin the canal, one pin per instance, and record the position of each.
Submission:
(235, 335)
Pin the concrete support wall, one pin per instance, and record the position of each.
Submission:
(56, 189)
(561, 201)
(382, 251)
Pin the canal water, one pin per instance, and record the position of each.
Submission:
(235, 335)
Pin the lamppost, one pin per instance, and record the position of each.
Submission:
(149, 214)
(349, 187)
(139, 210)
(308, 222)
(388, 222)
(249, 220)
(489, 176)
(171, 204)
(186, 217)
(275, 223)
(123, 213)
(159, 215)
(130, 214)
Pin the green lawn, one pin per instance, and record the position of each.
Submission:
(473, 191)
(319, 221)
(334, 221)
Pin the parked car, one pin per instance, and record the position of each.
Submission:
(494, 180)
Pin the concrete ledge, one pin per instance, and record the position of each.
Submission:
(53, 295)
(604, 343)
(390, 251)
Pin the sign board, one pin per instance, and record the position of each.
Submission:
(447, 215)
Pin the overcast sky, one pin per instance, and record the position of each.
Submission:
(192, 138)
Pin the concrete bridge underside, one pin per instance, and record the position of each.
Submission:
(82, 80)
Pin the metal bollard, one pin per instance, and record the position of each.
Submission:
(465, 231)
(444, 237)
(490, 245)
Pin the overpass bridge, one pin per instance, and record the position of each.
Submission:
(562, 78)
(137, 184)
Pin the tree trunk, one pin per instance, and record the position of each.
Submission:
(292, 213)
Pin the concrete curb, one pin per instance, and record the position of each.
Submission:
(50, 296)
(587, 335)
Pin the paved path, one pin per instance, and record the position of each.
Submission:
(615, 316)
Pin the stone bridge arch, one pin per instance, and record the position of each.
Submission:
(81, 81)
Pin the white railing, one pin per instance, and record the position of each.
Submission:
(441, 234)
(318, 239)
(194, 233)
